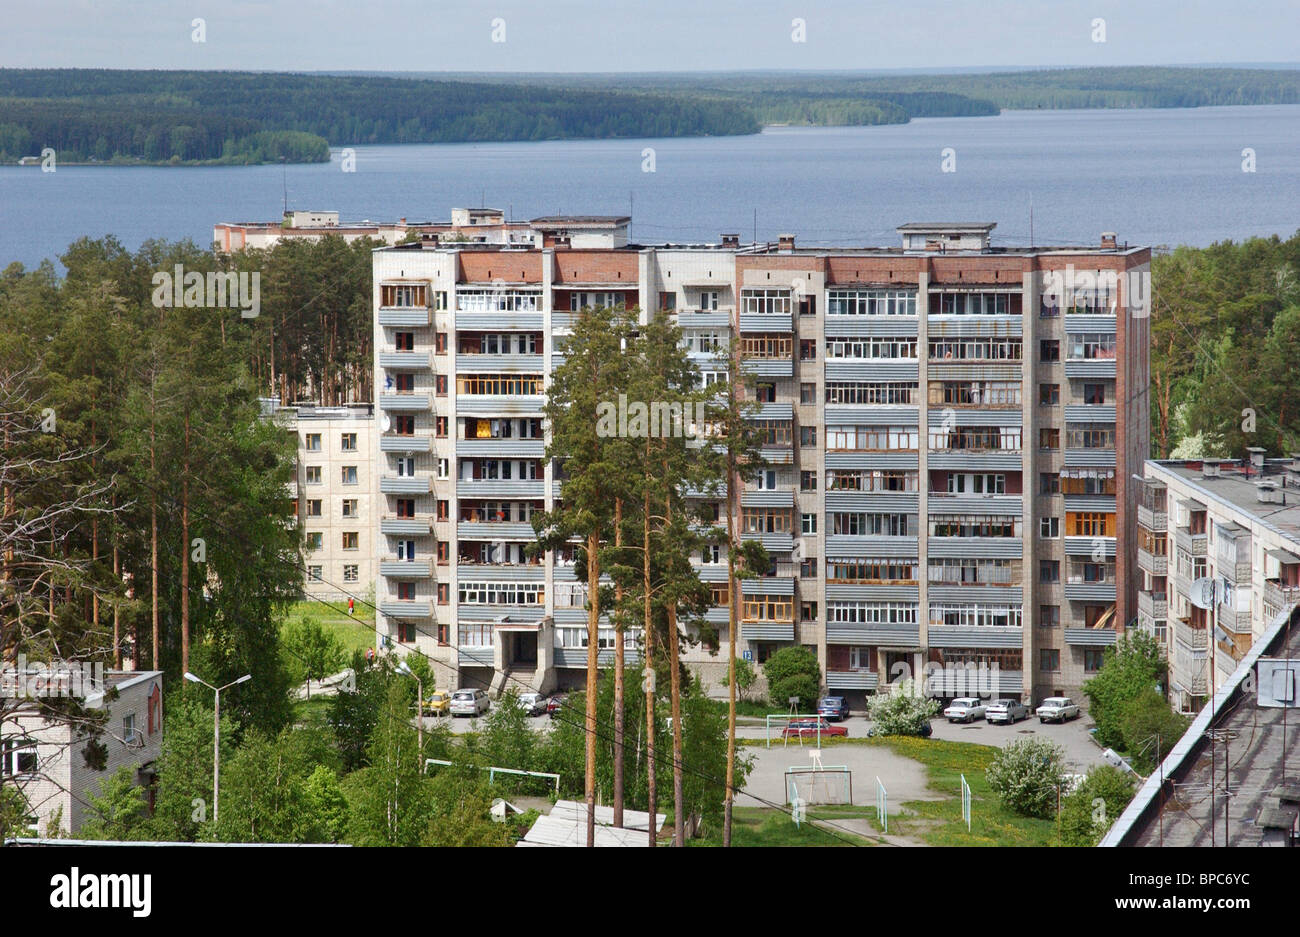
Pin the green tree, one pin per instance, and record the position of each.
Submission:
(118, 811)
(1131, 666)
(1088, 811)
(326, 806)
(389, 800)
(460, 816)
(183, 804)
(316, 653)
(1150, 728)
(1027, 776)
(793, 671)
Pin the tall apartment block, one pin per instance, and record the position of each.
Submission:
(951, 430)
(1236, 523)
(333, 494)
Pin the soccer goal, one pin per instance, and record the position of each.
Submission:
(817, 785)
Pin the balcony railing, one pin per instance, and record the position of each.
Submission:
(1152, 519)
(1190, 636)
(1280, 596)
(1191, 543)
(1154, 605)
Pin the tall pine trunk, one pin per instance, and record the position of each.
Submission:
(648, 680)
(675, 683)
(618, 680)
(185, 553)
(593, 638)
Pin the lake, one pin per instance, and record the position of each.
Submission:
(1160, 177)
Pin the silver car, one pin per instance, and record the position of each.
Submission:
(1009, 711)
(1057, 709)
(533, 704)
(469, 703)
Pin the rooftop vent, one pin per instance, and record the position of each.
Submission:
(785, 242)
(1108, 242)
(1210, 468)
(731, 240)
(1270, 493)
(1256, 456)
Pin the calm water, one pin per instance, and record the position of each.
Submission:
(1154, 176)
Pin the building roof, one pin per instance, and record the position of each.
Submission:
(566, 825)
(1251, 746)
(1237, 486)
(948, 226)
(585, 221)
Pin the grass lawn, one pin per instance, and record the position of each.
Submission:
(355, 632)
(764, 826)
(939, 822)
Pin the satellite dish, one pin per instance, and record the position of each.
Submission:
(1202, 593)
(386, 423)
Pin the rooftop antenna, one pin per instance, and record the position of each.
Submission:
(284, 178)
(1031, 219)
(755, 225)
(630, 198)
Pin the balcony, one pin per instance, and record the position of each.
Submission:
(1280, 596)
(405, 484)
(421, 526)
(495, 530)
(405, 569)
(1189, 636)
(390, 442)
(1079, 590)
(1157, 564)
(852, 680)
(499, 363)
(1152, 519)
(405, 316)
(1091, 637)
(397, 608)
(1154, 605)
(767, 630)
(1236, 620)
(404, 403)
(1193, 544)
(1237, 572)
(405, 360)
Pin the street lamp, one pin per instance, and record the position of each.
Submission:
(216, 734)
(404, 667)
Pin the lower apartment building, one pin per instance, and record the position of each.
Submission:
(1235, 523)
(951, 428)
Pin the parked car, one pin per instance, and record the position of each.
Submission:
(533, 704)
(555, 704)
(811, 728)
(965, 709)
(835, 708)
(1057, 709)
(1009, 711)
(438, 704)
(469, 703)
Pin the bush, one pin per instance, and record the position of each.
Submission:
(1132, 666)
(1149, 726)
(793, 671)
(745, 679)
(1026, 776)
(904, 711)
(1088, 812)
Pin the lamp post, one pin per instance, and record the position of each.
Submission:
(216, 734)
(404, 667)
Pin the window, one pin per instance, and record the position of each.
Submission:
(975, 349)
(440, 427)
(808, 567)
(351, 572)
(1090, 436)
(404, 341)
(765, 392)
(765, 302)
(440, 343)
(966, 394)
(807, 435)
(871, 480)
(502, 593)
(350, 507)
(767, 608)
(1049, 616)
(1090, 524)
(870, 303)
(1091, 346)
(667, 301)
(1093, 658)
(351, 540)
(406, 632)
(444, 468)
(444, 593)
(1049, 483)
(440, 384)
(1094, 393)
(313, 507)
(807, 305)
(311, 442)
(1049, 571)
(1049, 659)
(402, 296)
(443, 552)
(807, 611)
(19, 759)
(1049, 349)
(807, 349)
(444, 511)
(314, 573)
(404, 466)
(349, 475)
(871, 438)
(348, 442)
(807, 393)
(314, 542)
(808, 523)
(870, 349)
(404, 383)
(1049, 395)
(1049, 527)
(313, 474)
(807, 481)
(973, 304)
(406, 592)
(404, 425)
(1049, 437)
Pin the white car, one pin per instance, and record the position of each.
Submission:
(1057, 709)
(965, 709)
(469, 703)
(533, 704)
(1006, 710)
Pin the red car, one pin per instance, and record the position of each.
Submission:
(810, 728)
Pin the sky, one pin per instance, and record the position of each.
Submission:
(631, 35)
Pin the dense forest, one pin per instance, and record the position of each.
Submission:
(193, 117)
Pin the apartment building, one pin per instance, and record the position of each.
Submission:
(467, 225)
(951, 427)
(1235, 523)
(334, 494)
(48, 761)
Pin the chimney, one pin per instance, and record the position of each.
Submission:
(1210, 468)
(1257, 456)
(785, 242)
(1108, 240)
(403, 221)
(731, 240)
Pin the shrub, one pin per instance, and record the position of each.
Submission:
(904, 711)
(1149, 726)
(1088, 812)
(1131, 667)
(793, 671)
(1026, 775)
